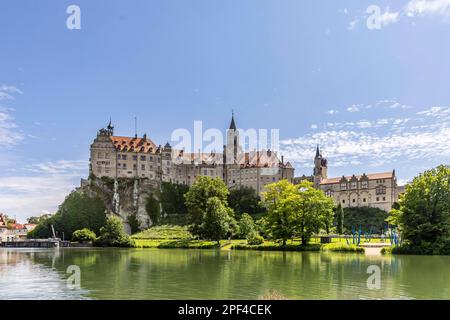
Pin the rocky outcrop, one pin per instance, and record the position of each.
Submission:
(124, 197)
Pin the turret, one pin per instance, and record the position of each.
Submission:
(320, 168)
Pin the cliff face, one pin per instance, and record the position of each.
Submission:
(125, 197)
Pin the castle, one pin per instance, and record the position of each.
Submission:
(379, 190)
(135, 157)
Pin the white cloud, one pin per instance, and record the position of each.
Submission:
(388, 18)
(332, 112)
(9, 132)
(421, 136)
(423, 7)
(7, 92)
(314, 126)
(413, 9)
(353, 108)
(42, 189)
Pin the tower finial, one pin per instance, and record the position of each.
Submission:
(317, 151)
(232, 124)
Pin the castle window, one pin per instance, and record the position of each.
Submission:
(143, 167)
(384, 198)
(343, 186)
(134, 166)
(124, 157)
(134, 157)
(364, 185)
(380, 190)
(124, 165)
(143, 158)
(150, 158)
(364, 199)
(354, 200)
(343, 201)
(119, 156)
(378, 198)
(354, 185)
(205, 172)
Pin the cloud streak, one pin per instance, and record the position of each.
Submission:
(422, 135)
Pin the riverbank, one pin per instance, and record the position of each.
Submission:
(242, 245)
(178, 237)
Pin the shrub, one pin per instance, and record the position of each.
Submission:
(386, 250)
(84, 235)
(153, 209)
(255, 239)
(342, 247)
(113, 234)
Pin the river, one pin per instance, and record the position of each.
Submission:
(214, 274)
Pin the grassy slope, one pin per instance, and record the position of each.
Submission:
(175, 236)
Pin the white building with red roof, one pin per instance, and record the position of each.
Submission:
(134, 157)
(378, 190)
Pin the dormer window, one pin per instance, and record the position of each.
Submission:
(343, 186)
(364, 184)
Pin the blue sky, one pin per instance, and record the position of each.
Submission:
(374, 99)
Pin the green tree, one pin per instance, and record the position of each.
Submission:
(340, 219)
(296, 210)
(246, 226)
(133, 223)
(153, 209)
(244, 199)
(424, 213)
(84, 235)
(33, 220)
(282, 201)
(196, 200)
(315, 211)
(368, 218)
(172, 198)
(218, 221)
(113, 234)
(78, 211)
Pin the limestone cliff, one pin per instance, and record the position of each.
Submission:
(125, 197)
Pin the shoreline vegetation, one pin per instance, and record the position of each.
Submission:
(178, 237)
(288, 217)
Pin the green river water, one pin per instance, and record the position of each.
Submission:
(214, 274)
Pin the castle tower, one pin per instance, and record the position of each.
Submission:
(320, 168)
(233, 143)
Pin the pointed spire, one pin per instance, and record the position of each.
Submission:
(317, 151)
(232, 124)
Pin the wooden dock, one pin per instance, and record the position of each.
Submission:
(51, 243)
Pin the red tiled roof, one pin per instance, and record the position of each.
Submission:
(2, 221)
(370, 176)
(133, 144)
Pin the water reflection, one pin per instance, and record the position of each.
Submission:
(23, 277)
(213, 274)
